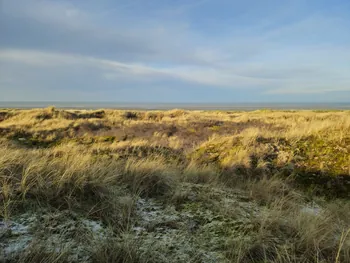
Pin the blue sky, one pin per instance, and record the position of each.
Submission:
(175, 50)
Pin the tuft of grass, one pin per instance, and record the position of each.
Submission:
(292, 235)
(197, 174)
(149, 178)
(267, 189)
(73, 181)
(117, 250)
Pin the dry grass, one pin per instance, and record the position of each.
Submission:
(37, 253)
(113, 250)
(286, 233)
(150, 178)
(98, 163)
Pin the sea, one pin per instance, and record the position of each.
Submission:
(185, 106)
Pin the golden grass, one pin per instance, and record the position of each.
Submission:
(99, 162)
(286, 233)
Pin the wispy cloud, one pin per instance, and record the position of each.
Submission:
(110, 68)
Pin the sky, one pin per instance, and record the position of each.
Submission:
(196, 51)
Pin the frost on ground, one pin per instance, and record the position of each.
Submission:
(312, 209)
(192, 227)
(17, 236)
(195, 230)
(56, 232)
(198, 224)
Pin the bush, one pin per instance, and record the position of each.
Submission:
(130, 115)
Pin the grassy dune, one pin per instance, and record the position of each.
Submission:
(174, 186)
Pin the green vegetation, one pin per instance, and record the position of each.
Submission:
(174, 186)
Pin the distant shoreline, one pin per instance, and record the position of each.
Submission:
(185, 106)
